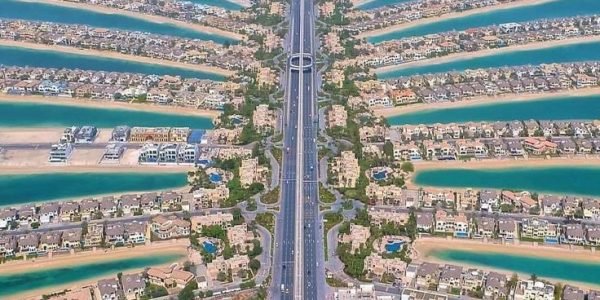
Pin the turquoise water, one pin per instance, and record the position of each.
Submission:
(550, 268)
(380, 3)
(23, 282)
(533, 179)
(27, 114)
(16, 56)
(13, 9)
(25, 188)
(219, 3)
(561, 54)
(554, 9)
(565, 108)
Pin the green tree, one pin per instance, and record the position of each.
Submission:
(155, 291)
(227, 252)
(254, 265)
(407, 167)
(222, 276)
(512, 282)
(558, 291)
(187, 293)
(388, 149)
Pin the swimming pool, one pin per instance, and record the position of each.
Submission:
(215, 178)
(379, 176)
(393, 246)
(209, 247)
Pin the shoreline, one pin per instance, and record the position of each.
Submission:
(450, 16)
(426, 246)
(485, 100)
(117, 56)
(103, 104)
(242, 3)
(141, 16)
(487, 164)
(89, 257)
(499, 164)
(182, 190)
(462, 56)
(28, 170)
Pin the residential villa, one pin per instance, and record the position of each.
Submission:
(345, 170)
(251, 172)
(169, 277)
(377, 266)
(219, 219)
(264, 119)
(210, 197)
(337, 116)
(357, 237)
(235, 264)
(457, 225)
(168, 227)
(529, 289)
(133, 285)
(240, 238)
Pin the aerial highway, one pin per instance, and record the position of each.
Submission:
(298, 269)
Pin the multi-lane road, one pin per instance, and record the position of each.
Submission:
(298, 271)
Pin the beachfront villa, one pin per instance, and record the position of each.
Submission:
(168, 153)
(108, 289)
(450, 279)
(529, 289)
(60, 153)
(169, 227)
(456, 225)
(540, 229)
(133, 285)
(169, 277)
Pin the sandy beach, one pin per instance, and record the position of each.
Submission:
(145, 17)
(244, 3)
(356, 3)
(425, 246)
(117, 55)
(450, 16)
(105, 104)
(484, 100)
(100, 255)
(488, 52)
